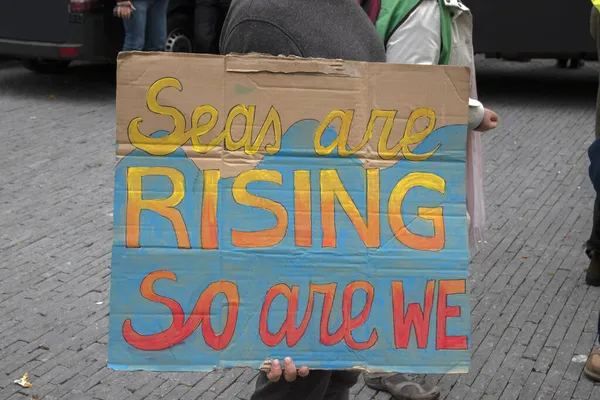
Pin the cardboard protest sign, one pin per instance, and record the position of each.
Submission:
(272, 207)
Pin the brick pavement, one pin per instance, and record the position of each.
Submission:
(531, 310)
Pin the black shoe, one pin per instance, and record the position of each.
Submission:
(592, 276)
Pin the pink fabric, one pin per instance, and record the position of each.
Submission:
(371, 7)
(474, 180)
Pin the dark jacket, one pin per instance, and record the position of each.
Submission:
(594, 170)
(208, 21)
(334, 29)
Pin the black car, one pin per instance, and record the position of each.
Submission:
(48, 34)
(522, 30)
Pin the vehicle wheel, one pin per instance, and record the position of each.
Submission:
(179, 37)
(42, 66)
(575, 63)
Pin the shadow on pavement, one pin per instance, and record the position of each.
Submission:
(80, 82)
(6, 63)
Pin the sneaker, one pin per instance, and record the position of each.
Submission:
(400, 387)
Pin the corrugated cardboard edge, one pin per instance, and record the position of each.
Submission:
(265, 63)
(257, 63)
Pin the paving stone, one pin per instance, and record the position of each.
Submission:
(595, 392)
(178, 392)
(583, 389)
(459, 392)
(249, 389)
(532, 386)
(499, 382)
(565, 390)
(544, 359)
(511, 392)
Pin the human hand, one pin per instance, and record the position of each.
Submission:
(289, 371)
(125, 9)
(490, 121)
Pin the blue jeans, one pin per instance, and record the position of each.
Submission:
(147, 27)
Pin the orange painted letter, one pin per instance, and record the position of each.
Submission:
(288, 327)
(444, 311)
(179, 330)
(348, 322)
(405, 236)
(165, 207)
(332, 188)
(302, 209)
(210, 239)
(268, 237)
(414, 316)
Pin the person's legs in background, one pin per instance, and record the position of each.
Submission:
(592, 366)
(223, 10)
(208, 21)
(593, 244)
(135, 27)
(156, 26)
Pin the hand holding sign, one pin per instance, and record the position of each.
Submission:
(289, 372)
(490, 121)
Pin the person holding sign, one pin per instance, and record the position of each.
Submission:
(326, 29)
(333, 30)
(311, 28)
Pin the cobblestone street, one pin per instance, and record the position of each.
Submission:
(532, 313)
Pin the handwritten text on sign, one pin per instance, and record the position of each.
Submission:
(301, 255)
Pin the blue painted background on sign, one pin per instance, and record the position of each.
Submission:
(256, 270)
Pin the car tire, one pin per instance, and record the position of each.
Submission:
(179, 34)
(575, 63)
(42, 66)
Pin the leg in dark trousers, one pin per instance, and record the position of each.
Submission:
(318, 385)
(340, 384)
(592, 365)
(593, 244)
(208, 21)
